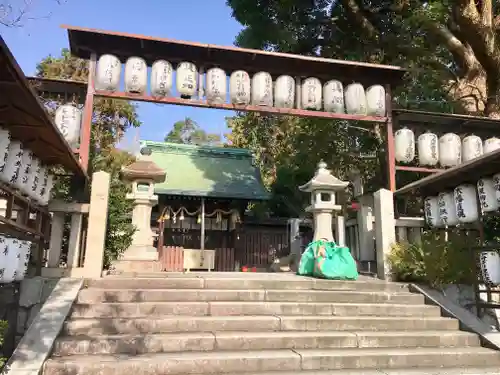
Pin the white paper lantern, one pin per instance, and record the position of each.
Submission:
(13, 164)
(284, 93)
(68, 119)
(108, 73)
(450, 150)
(491, 144)
(466, 203)
(404, 145)
(187, 79)
(490, 267)
(32, 178)
(375, 101)
(472, 147)
(162, 78)
(262, 89)
(333, 96)
(311, 95)
(216, 86)
(47, 190)
(447, 209)
(8, 260)
(496, 185)
(239, 88)
(4, 149)
(428, 149)
(431, 211)
(41, 183)
(136, 75)
(487, 194)
(355, 99)
(24, 171)
(23, 259)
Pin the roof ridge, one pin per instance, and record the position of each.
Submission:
(169, 147)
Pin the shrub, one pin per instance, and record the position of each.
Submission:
(3, 330)
(432, 261)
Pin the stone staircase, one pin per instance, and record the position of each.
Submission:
(260, 324)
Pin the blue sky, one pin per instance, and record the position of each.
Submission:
(191, 20)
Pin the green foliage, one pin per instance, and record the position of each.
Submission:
(188, 131)
(111, 119)
(433, 261)
(3, 330)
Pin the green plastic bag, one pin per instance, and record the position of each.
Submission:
(326, 260)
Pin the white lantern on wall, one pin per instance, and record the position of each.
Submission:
(162, 78)
(284, 92)
(472, 147)
(216, 86)
(187, 79)
(447, 209)
(4, 148)
(491, 144)
(239, 88)
(355, 99)
(431, 211)
(428, 149)
(40, 183)
(487, 194)
(24, 171)
(466, 203)
(68, 120)
(13, 163)
(404, 145)
(108, 73)
(262, 89)
(450, 150)
(311, 95)
(489, 262)
(496, 185)
(32, 178)
(375, 100)
(8, 259)
(23, 259)
(136, 75)
(46, 191)
(333, 96)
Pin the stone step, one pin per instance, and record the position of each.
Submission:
(143, 344)
(93, 295)
(254, 323)
(224, 362)
(261, 282)
(421, 371)
(157, 309)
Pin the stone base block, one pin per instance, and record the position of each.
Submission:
(136, 266)
(140, 253)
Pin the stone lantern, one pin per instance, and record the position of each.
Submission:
(143, 174)
(323, 187)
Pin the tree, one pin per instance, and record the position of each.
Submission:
(188, 131)
(15, 15)
(111, 119)
(451, 47)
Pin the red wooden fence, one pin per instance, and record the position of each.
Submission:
(172, 259)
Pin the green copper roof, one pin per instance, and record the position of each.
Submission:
(206, 171)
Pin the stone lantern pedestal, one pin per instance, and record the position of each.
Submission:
(143, 174)
(323, 187)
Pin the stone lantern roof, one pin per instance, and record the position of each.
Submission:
(323, 179)
(143, 168)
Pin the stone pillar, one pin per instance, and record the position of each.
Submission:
(340, 230)
(366, 229)
(385, 230)
(97, 223)
(295, 240)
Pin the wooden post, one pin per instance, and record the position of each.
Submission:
(88, 110)
(389, 139)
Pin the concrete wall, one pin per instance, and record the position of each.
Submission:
(19, 305)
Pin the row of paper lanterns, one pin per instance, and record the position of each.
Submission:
(14, 258)
(461, 205)
(260, 90)
(448, 150)
(23, 171)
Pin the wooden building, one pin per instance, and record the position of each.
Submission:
(203, 199)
